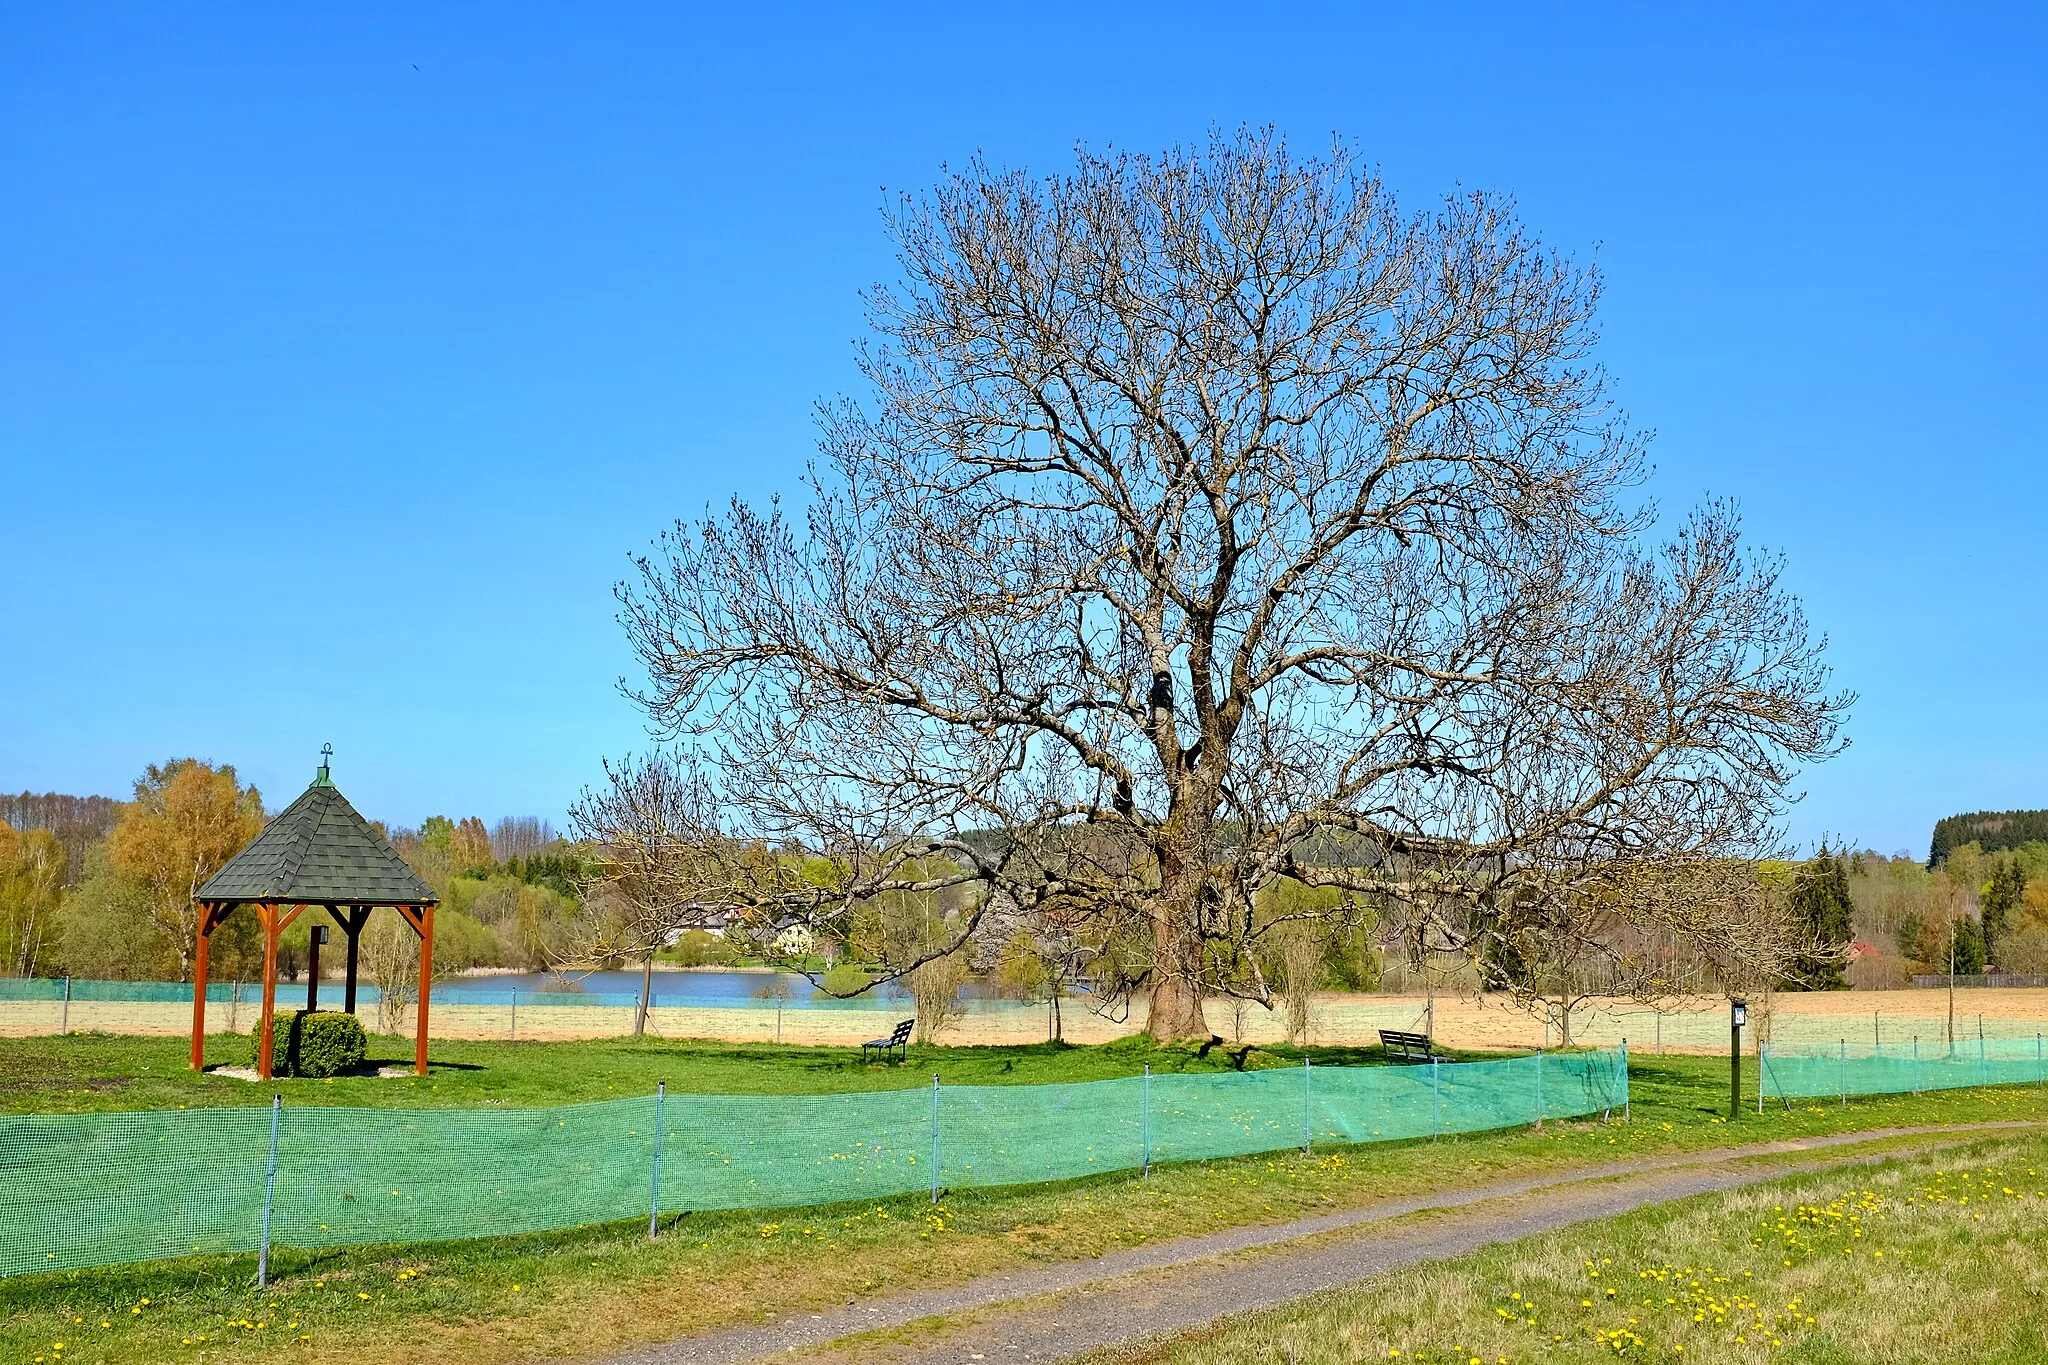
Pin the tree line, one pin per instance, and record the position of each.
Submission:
(1980, 908)
(76, 822)
(1990, 831)
(625, 890)
(98, 888)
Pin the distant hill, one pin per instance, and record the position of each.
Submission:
(1989, 829)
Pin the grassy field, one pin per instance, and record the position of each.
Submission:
(584, 1291)
(1933, 1260)
(83, 1072)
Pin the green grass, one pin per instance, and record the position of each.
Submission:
(589, 1290)
(85, 1072)
(105, 1072)
(1929, 1259)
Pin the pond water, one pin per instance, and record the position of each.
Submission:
(670, 988)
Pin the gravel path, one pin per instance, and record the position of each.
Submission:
(1172, 1286)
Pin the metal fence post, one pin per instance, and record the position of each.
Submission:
(64, 1020)
(1845, 1072)
(1916, 1063)
(1539, 1087)
(1308, 1142)
(269, 1195)
(1628, 1108)
(514, 1032)
(654, 1203)
(935, 1137)
(1145, 1120)
(1983, 1065)
(1763, 1059)
(1436, 1102)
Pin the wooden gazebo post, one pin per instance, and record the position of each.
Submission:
(351, 925)
(318, 851)
(199, 954)
(419, 1062)
(421, 918)
(274, 924)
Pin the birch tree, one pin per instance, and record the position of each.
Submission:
(32, 869)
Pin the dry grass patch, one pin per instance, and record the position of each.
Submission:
(1923, 1260)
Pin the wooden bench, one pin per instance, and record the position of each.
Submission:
(1408, 1047)
(897, 1042)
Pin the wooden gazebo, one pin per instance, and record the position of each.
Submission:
(317, 852)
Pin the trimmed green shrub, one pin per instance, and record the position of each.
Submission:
(314, 1044)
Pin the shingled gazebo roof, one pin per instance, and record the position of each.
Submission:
(318, 851)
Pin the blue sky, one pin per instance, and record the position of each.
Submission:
(347, 352)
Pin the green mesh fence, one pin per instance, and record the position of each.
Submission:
(464, 992)
(138, 992)
(1889, 1069)
(102, 1189)
(1649, 1031)
(1597, 1025)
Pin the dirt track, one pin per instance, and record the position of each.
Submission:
(1055, 1312)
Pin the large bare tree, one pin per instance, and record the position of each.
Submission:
(1211, 521)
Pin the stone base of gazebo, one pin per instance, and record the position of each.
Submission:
(250, 1073)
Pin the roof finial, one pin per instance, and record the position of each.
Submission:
(322, 779)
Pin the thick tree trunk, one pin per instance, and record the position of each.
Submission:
(1176, 1008)
(1176, 1011)
(1177, 988)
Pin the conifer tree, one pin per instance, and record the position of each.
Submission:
(2000, 898)
(1969, 946)
(1820, 898)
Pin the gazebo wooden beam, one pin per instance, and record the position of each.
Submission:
(266, 919)
(199, 955)
(352, 925)
(212, 914)
(274, 924)
(421, 918)
(419, 1063)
